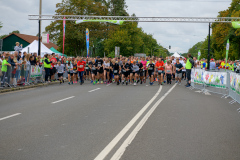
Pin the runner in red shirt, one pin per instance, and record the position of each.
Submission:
(81, 67)
(53, 66)
(160, 67)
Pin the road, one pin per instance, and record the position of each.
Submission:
(62, 122)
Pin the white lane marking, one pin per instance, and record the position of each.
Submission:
(132, 135)
(116, 139)
(63, 99)
(10, 116)
(108, 84)
(94, 90)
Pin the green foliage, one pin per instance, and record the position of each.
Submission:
(17, 31)
(5, 35)
(221, 32)
(103, 36)
(1, 25)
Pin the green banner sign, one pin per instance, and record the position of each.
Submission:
(97, 20)
(236, 24)
(227, 50)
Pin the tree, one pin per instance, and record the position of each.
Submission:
(17, 31)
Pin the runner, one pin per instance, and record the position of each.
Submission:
(53, 66)
(151, 68)
(93, 67)
(81, 67)
(128, 70)
(100, 70)
(60, 71)
(106, 66)
(87, 71)
(124, 72)
(168, 72)
(144, 63)
(116, 70)
(135, 71)
(160, 70)
(178, 70)
(140, 73)
(69, 67)
(75, 71)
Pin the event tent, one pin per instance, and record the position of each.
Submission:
(57, 52)
(33, 48)
(177, 55)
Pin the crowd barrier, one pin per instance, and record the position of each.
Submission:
(21, 75)
(225, 83)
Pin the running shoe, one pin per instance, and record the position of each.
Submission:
(176, 81)
(92, 81)
(156, 79)
(164, 81)
(105, 82)
(188, 85)
(97, 82)
(117, 83)
(60, 82)
(122, 83)
(108, 82)
(113, 80)
(72, 82)
(126, 82)
(63, 81)
(69, 83)
(75, 81)
(138, 81)
(135, 84)
(141, 82)
(101, 82)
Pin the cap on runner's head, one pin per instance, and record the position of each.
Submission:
(203, 58)
(98, 56)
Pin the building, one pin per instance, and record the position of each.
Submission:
(9, 42)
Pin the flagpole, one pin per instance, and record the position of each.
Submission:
(64, 27)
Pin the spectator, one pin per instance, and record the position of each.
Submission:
(32, 61)
(189, 66)
(4, 70)
(212, 64)
(47, 66)
(18, 47)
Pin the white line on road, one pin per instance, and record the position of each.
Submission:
(94, 90)
(113, 143)
(108, 84)
(10, 116)
(63, 99)
(132, 135)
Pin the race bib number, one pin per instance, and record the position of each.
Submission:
(93, 68)
(159, 71)
(168, 71)
(177, 69)
(81, 66)
(150, 68)
(115, 71)
(86, 67)
(99, 65)
(124, 70)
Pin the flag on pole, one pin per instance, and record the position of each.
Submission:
(199, 54)
(227, 50)
(87, 41)
(64, 29)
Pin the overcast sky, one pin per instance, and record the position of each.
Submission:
(181, 36)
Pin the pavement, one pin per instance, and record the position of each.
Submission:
(73, 122)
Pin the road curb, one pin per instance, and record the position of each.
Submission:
(27, 87)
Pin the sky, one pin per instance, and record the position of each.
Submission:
(180, 36)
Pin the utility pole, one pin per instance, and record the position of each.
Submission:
(39, 28)
(208, 61)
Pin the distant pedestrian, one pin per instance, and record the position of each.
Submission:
(18, 47)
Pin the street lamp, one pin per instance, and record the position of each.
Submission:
(39, 28)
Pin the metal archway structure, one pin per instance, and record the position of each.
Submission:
(141, 19)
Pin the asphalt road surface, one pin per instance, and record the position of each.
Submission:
(169, 122)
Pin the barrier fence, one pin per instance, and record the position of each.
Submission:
(225, 83)
(22, 75)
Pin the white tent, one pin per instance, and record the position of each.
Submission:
(176, 55)
(33, 48)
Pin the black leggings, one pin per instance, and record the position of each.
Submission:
(169, 77)
(47, 73)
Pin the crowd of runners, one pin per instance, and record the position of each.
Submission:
(121, 70)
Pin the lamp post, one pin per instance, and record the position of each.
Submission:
(39, 28)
